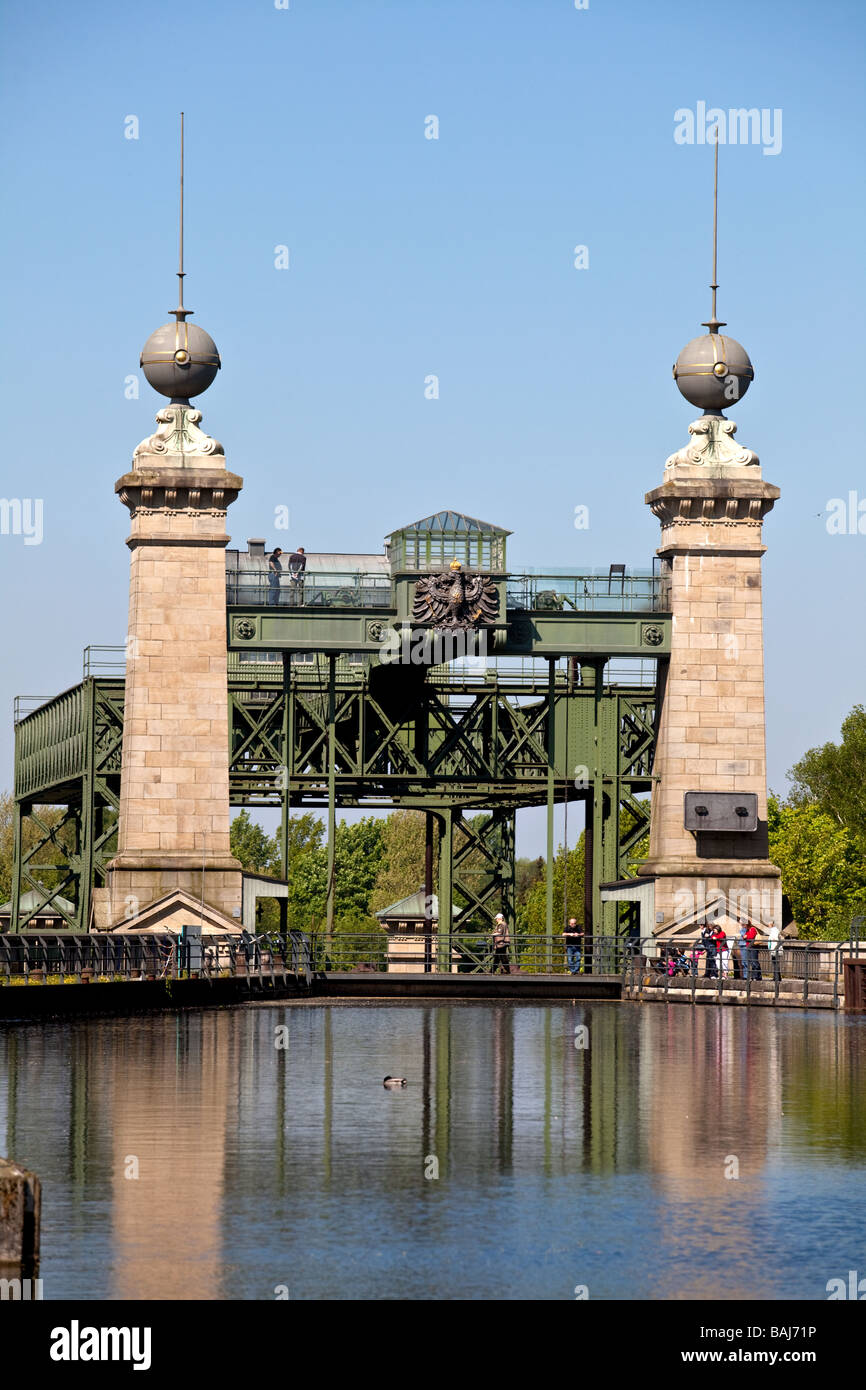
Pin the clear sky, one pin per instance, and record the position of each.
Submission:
(453, 256)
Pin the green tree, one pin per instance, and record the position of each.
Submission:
(527, 872)
(257, 851)
(834, 777)
(308, 885)
(306, 832)
(358, 856)
(823, 868)
(401, 870)
(7, 844)
(568, 870)
(260, 853)
(359, 853)
(358, 939)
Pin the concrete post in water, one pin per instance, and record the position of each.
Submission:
(20, 1205)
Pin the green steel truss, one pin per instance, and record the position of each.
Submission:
(334, 735)
(67, 795)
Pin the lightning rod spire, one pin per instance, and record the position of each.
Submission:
(713, 324)
(180, 312)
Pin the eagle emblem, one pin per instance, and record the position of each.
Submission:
(456, 599)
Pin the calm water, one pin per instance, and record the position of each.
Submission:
(558, 1165)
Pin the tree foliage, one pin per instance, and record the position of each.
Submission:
(818, 835)
(568, 874)
(401, 871)
(823, 868)
(358, 853)
(833, 777)
(257, 851)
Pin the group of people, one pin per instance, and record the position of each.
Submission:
(296, 568)
(713, 942)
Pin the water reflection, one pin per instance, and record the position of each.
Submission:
(682, 1153)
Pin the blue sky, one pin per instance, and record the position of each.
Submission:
(454, 257)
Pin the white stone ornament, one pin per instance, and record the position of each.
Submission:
(713, 443)
(178, 433)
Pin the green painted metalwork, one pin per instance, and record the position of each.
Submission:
(67, 762)
(455, 743)
(524, 633)
(337, 700)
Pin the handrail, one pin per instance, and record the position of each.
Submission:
(63, 958)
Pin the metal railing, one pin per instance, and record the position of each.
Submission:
(111, 957)
(102, 660)
(468, 953)
(26, 704)
(318, 589)
(596, 591)
(797, 970)
(533, 671)
(587, 592)
(647, 968)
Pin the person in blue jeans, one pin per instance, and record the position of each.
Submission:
(573, 937)
(275, 574)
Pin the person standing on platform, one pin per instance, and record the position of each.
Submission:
(275, 574)
(297, 570)
(501, 942)
(573, 937)
(742, 951)
(752, 948)
(774, 943)
(720, 937)
(708, 944)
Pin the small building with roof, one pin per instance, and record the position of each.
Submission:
(58, 915)
(410, 949)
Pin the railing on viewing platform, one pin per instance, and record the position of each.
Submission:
(584, 591)
(317, 589)
(589, 591)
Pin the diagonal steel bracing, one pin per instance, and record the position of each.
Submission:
(398, 737)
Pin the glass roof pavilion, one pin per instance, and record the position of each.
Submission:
(447, 536)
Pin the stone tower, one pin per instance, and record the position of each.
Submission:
(711, 736)
(174, 800)
(173, 832)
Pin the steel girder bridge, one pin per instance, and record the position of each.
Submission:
(340, 698)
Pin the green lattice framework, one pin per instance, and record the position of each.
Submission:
(331, 734)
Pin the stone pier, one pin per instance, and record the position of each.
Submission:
(711, 736)
(173, 834)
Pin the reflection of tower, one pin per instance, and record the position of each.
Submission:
(173, 829)
(711, 1084)
(172, 1104)
(711, 736)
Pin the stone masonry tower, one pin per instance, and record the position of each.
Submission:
(173, 834)
(711, 737)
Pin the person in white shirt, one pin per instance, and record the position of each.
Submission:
(774, 944)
